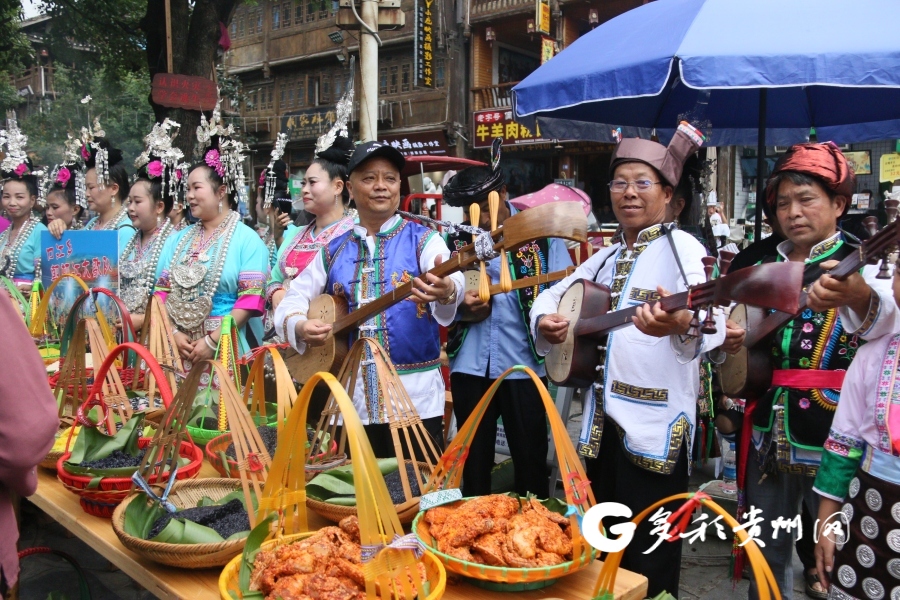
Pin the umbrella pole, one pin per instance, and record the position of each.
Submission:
(760, 164)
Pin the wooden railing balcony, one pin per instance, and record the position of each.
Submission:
(494, 96)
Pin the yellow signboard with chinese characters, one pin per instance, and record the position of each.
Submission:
(424, 43)
(490, 124)
(890, 168)
(542, 18)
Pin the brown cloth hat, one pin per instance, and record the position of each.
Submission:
(668, 161)
(823, 161)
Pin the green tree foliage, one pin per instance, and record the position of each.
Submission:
(15, 51)
(120, 101)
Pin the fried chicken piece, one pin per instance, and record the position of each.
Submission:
(339, 567)
(489, 548)
(290, 588)
(398, 581)
(547, 513)
(460, 552)
(530, 532)
(315, 587)
(435, 518)
(350, 526)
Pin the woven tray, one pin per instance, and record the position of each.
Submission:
(184, 494)
(501, 579)
(228, 580)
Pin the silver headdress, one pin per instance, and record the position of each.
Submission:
(160, 157)
(271, 178)
(228, 158)
(16, 164)
(343, 112)
(90, 141)
(71, 166)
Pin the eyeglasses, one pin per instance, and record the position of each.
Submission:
(619, 186)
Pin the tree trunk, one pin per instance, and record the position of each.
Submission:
(195, 44)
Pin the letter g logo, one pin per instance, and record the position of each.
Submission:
(590, 527)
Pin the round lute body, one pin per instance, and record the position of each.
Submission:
(747, 373)
(329, 356)
(574, 362)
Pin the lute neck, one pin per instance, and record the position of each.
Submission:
(597, 327)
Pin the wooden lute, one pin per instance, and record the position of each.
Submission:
(561, 219)
(473, 280)
(576, 361)
(748, 373)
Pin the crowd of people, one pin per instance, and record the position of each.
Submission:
(824, 435)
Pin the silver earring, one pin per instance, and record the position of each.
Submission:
(158, 220)
(220, 207)
(113, 201)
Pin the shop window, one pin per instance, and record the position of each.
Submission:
(276, 17)
(439, 73)
(301, 92)
(286, 12)
(253, 106)
(395, 76)
(259, 21)
(311, 11)
(312, 91)
(298, 12)
(234, 29)
(241, 26)
(324, 5)
(405, 76)
(382, 81)
(283, 97)
(270, 101)
(326, 90)
(290, 100)
(338, 87)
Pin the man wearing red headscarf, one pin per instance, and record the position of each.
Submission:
(785, 430)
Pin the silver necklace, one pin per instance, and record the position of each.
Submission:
(110, 225)
(9, 260)
(189, 302)
(137, 276)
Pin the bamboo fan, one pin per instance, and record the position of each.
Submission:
(379, 525)
(410, 438)
(158, 337)
(762, 573)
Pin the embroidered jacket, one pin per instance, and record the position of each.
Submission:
(796, 421)
(649, 385)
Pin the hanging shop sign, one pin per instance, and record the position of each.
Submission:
(548, 48)
(490, 124)
(890, 168)
(184, 91)
(433, 143)
(423, 53)
(542, 16)
(308, 124)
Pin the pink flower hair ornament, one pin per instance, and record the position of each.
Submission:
(262, 178)
(63, 176)
(21, 170)
(155, 168)
(85, 152)
(214, 161)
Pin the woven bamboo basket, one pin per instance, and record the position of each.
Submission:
(434, 586)
(113, 382)
(41, 321)
(18, 300)
(184, 494)
(575, 483)
(409, 436)
(168, 443)
(680, 521)
(216, 448)
(284, 497)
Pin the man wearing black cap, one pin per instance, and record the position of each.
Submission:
(382, 252)
(639, 420)
(488, 338)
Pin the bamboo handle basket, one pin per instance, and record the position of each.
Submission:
(412, 444)
(762, 573)
(42, 324)
(575, 483)
(100, 496)
(255, 398)
(158, 336)
(285, 497)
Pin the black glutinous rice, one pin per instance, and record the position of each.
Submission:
(226, 520)
(269, 436)
(117, 459)
(310, 434)
(395, 485)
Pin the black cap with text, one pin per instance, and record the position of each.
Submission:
(370, 150)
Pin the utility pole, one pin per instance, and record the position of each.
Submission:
(368, 72)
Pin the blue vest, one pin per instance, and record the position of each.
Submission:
(406, 330)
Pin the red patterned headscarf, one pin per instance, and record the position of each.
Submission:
(824, 161)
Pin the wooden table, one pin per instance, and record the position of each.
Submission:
(167, 582)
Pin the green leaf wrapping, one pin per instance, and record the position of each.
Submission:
(336, 485)
(91, 445)
(251, 549)
(182, 531)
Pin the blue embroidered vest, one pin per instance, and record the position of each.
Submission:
(406, 330)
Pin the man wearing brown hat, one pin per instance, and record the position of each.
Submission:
(785, 430)
(640, 418)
